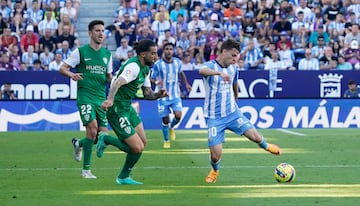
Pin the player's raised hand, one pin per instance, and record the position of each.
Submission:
(106, 104)
(76, 76)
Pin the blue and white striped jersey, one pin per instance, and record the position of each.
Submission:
(219, 95)
(168, 73)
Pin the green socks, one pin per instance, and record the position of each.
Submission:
(131, 160)
(87, 145)
(117, 143)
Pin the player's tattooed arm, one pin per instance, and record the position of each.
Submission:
(151, 95)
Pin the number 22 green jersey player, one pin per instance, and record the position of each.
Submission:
(93, 65)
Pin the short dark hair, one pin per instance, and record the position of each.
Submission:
(168, 44)
(95, 22)
(143, 45)
(351, 82)
(230, 44)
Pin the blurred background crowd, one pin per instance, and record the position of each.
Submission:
(281, 34)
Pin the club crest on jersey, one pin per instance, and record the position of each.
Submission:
(127, 130)
(105, 60)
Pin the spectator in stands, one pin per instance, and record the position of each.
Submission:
(56, 63)
(286, 8)
(266, 11)
(168, 37)
(275, 63)
(318, 50)
(314, 36)
(287, 56)
(300, 23)
(18, 9)
(65, 21)
(64, 49)
(144, 11)
(253, 56)
(186, 64)
(3, 24)
(183, 42)
(284, 38)
(232, 10)
(251, 7)
(212, 39)
(352, 54)
(353, 90)
(121, 53)
(48, 23)
(249, 28)
(178, 26)
(338, 25)
(316, 19)
(145, 33)
(29, 39)
(199, 9)
(215, 51)
(305, 10)
(46, 57)
(69, 10)
(37, 66)
(178, 9)
(328, 60)
(48, 40)
(7, 93)
(337, 49)
(34, 15)
(265, 30)
(126, 29)
(14, 56)
(7, 39)
(197, 44)
(342, 64)
(353, 35)
(55, 12)
(159, 26)
(308, 63)
(267, 49)
(216, 9)
(5, 64)
(29, 57)
(162, 10)
(66, 36)
(144, 22)
(162, 3)
(331, 12)
(299, 41)
(5, 11)
(196, 23)
(232, 28)
(17, 25)
(214, 19)
(280, 26)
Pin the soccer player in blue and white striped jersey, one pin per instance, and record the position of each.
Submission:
(165, 75)
(220, 108)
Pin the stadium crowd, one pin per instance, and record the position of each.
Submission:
(274, 34)
(286, 35)
(36, 35)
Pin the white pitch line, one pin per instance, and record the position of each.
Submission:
(290, 132)
(183, 167)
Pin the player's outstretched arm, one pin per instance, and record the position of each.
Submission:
(151, 95)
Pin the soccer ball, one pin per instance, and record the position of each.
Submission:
(284, 172)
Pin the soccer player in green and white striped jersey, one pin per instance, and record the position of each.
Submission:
(124, 120)
(93, 65)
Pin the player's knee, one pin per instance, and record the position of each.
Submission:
(138, 149)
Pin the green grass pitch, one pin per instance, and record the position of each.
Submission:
(38, 169)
